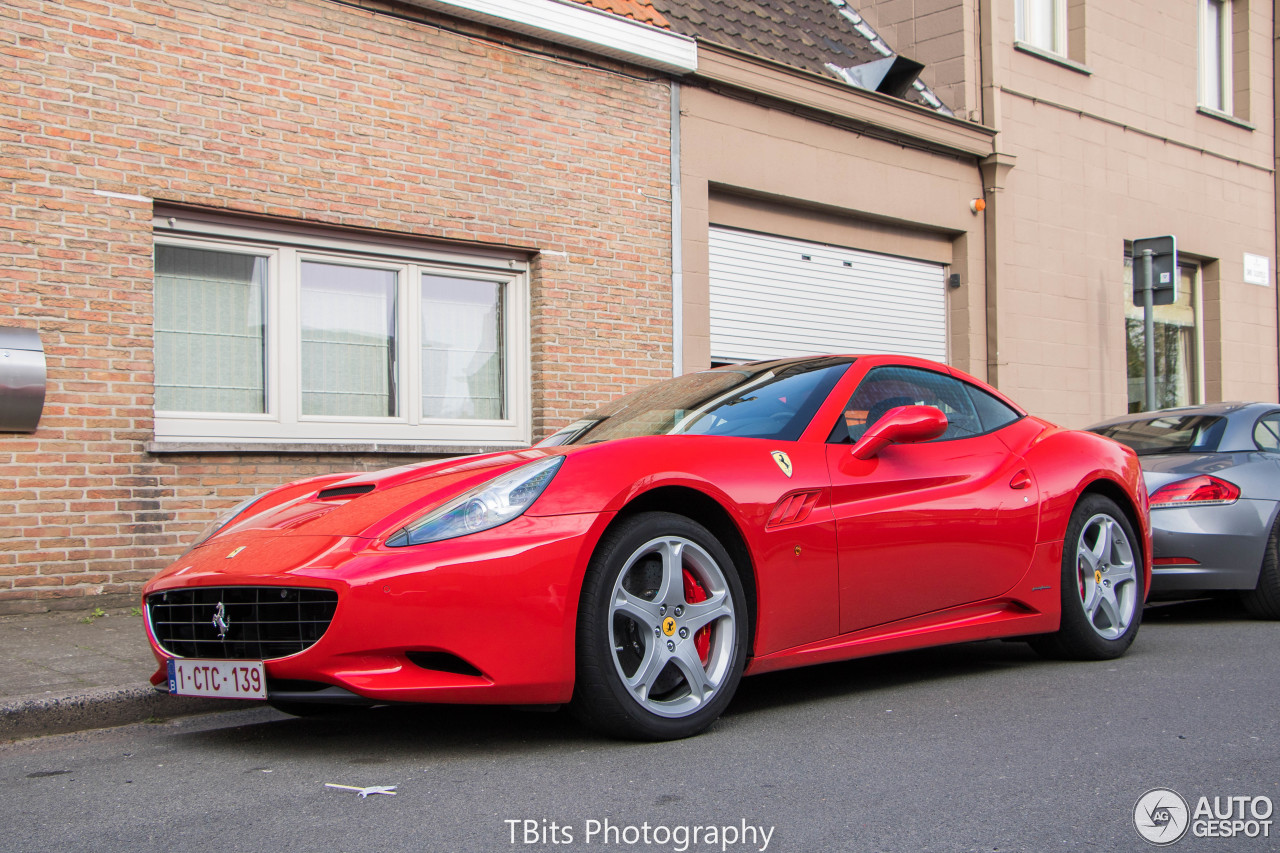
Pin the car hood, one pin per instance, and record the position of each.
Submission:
(374, 504)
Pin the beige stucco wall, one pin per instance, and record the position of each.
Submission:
(941, 34)
(777, 170)
(1118, 154)
(1072, 200)
(1110, 147)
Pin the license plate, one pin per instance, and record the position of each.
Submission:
(226, 679)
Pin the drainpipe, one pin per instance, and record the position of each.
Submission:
(677, 240)
(995, 169)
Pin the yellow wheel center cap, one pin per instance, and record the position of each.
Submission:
(668, 626)
(1097, 576)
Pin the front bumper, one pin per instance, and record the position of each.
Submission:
(499, 608)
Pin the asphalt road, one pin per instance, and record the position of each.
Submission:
(981, 747)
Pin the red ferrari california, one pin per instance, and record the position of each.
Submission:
(638, 563)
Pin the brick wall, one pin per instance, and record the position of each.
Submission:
(300, 109)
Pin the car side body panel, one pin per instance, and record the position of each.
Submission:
(967, 535)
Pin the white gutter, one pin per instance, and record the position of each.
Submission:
(576, 25)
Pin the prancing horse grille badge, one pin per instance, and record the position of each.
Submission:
(220, 621)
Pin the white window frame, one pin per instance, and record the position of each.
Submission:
(1026, 21)
(283, 422)
(1217, 82)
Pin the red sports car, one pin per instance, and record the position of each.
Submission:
(639, 562)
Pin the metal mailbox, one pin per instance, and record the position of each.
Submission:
(22, 379)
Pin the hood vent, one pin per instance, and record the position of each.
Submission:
(338, 492)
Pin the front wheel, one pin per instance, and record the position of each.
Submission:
(1101, 585)
(662, 630)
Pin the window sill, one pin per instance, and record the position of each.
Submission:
(1227, 117)
(1055, 58)
(201, 448)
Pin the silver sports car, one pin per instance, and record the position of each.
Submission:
(1213, 473)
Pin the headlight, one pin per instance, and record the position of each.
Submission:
(484, 507)
(223, 520)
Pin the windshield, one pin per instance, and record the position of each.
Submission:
(774, 400)
(1169, 434)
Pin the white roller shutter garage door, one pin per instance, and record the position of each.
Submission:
(773, 297)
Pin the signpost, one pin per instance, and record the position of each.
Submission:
(1155, 282)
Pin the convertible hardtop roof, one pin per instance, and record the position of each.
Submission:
(1223, 409)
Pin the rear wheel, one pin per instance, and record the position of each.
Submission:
(1101, 585)
(662, 630)
(1263, 601)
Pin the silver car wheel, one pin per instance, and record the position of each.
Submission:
(1107, 576)
(672, 626)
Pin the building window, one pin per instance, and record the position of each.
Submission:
(210, 345)
(291, 337)
(348, 328)
(1216, 81)
(1177, 344)
(1042, 24)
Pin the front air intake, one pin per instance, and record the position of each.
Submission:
(240, 622)
(442, 662)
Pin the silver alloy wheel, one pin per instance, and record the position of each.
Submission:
(654, 627)
(1107, 576)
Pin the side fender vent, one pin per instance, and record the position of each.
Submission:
(793, 508)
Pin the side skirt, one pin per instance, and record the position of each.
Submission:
(986, 620)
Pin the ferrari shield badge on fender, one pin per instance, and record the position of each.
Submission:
(783, 460)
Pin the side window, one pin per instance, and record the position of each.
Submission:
(886, 388)
(1266, 433)
(992, 412)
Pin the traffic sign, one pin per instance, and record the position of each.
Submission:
(1164, 269)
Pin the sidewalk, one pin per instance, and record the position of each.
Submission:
(73, 670)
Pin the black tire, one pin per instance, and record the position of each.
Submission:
(1263, 601)
(635, 624)
(1101, 598)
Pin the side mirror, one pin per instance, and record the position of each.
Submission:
(903, 425)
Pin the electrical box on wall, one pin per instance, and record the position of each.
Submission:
(22, 379)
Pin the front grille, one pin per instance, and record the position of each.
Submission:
(257, 622)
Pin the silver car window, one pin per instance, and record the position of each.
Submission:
(1168, 433)
(1266, 433)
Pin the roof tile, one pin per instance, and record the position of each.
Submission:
(637, 10)
(807, 34)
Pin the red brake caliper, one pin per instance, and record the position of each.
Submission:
(693, 593)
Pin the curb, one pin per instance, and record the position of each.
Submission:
(32, 716)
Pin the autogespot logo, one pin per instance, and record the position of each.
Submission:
(1161, 816)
